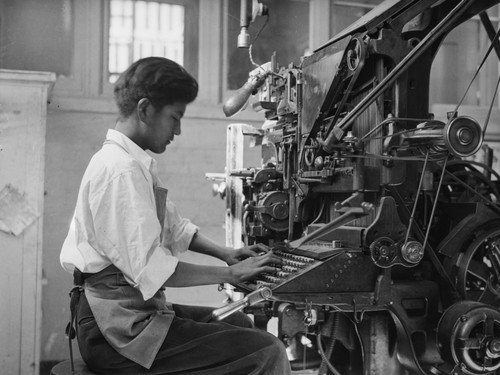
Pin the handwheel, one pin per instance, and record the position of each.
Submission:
(476, 269)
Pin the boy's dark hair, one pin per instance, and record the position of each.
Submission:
(161, 80)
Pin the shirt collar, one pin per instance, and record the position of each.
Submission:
(131, 147)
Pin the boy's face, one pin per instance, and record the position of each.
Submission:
(164, 124)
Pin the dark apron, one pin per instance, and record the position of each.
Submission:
(133, 327)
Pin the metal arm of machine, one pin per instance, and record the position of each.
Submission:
(349, 215)
(256, 296)
(240, 97)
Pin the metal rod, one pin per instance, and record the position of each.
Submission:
(395, 73)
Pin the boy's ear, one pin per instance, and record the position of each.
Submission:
(143, 109)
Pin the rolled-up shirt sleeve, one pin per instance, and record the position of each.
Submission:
(127, 232)
(178, 232)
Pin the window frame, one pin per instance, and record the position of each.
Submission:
(86, 88)
(191, 55)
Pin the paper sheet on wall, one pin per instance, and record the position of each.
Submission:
(15, 212)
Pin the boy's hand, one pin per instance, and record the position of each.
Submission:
(237, 255)
(251, 267)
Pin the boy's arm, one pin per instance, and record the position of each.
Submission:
(188, 274)
(204, 245)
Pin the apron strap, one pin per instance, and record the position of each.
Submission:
(75, 292)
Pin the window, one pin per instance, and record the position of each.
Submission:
(140, 29)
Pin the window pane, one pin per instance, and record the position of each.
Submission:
(140, 29)
(286, 33)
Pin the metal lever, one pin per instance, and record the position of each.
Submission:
(238, 100)
(349, 215)
(256, 296)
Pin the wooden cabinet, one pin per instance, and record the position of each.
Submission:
(23, 112)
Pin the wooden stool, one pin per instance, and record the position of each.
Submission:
(64, 368)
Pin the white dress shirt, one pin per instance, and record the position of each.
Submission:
(115, 220)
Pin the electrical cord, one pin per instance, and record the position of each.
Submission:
(254, 40)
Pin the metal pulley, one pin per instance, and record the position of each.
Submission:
(463, 136)
(383, 252)
(272, 210)
(411, 251)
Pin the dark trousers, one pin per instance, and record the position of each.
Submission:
(231, 347)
